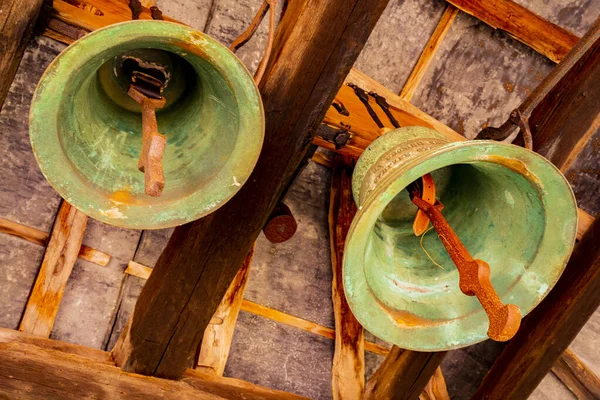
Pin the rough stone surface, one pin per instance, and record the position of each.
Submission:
(25, 196)
(573, 15)
(194, 14)
(19, 264)
(478, 76)
(551, 388)
(295, 276)
(587, 343)
(398, 40)
(584, 176)
(281, 357)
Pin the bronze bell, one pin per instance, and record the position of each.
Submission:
(191, 99)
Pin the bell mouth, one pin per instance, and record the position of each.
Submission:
(510, 207)
(86, 132)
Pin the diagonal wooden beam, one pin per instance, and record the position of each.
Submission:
(432, 46)
(580, 380)
(348, 370)
(17, 20)
(527, 27)
(317, 43)
(216, 342)
(59, 259)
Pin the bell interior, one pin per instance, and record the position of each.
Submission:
(496, 213)
(101, 127)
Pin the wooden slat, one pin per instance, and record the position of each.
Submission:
(216, 342)
(403, 375)
(428, 53)
(348, 370)
(580, 380)
(37, 368)
(435, 388)
(316, 44)
(17, 20)
(40, 237)
(584, 221)
(58, 262)
(568, 115)
(547, 331)
(536, 32)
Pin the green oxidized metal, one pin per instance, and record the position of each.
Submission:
(87, 134)
(509, 206)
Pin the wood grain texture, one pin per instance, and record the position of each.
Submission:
(59, 259)
(435, 388)
(17, 20)
(428, 53)
(37, 368)
(348, 370)
(567, 116)
(317, 42)
(547, 331)
(403, 375)
(216, 342)
(536, 32)
(40, 237)
(580, 380)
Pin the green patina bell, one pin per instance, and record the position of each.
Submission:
(509, 207)
(86, 129)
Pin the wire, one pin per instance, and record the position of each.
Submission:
(421, 243)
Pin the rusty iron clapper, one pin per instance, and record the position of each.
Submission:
(506, 222)
(97, 111)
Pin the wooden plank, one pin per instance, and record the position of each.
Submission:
(37, 368)
(403, 375)
(216, 342)
(435, 388)
(434, 43)
(58, 262)
(17, 20)
(582, 382)
(584, 221)
(547, 331)
(568, 114)
(317, 42)
(348, 370)
(536, 32)
(40, 237)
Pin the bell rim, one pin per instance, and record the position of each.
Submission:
(362, 301)
(39, 135)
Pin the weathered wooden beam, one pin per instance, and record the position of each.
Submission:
(569, 113)
(17, 20)
(317, 42)
(37, 368)
(436, 387)
(432, 46)
(403, 375)
(580, 380)
(547, 331)
(216, 342)
(58, 262)
(527, 27)
(348, 370)
(40, 237)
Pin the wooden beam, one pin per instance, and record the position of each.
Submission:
(36, 368)
(436, 387)
(40, 237)
(216, 342)
(432, 46)
(348, 371)
(17, 20)
(403, 375)
(580, 380)
(584, 221)
(317, 42)
(547, 331)
(569, 113)
(536, 32)
(58, 262)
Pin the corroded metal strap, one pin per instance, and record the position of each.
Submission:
(153, 143)
(474, 276)
(267, 5)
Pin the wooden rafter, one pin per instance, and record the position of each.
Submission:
(426, 57)
(59, 259)
(527, 27)
(580, 380)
